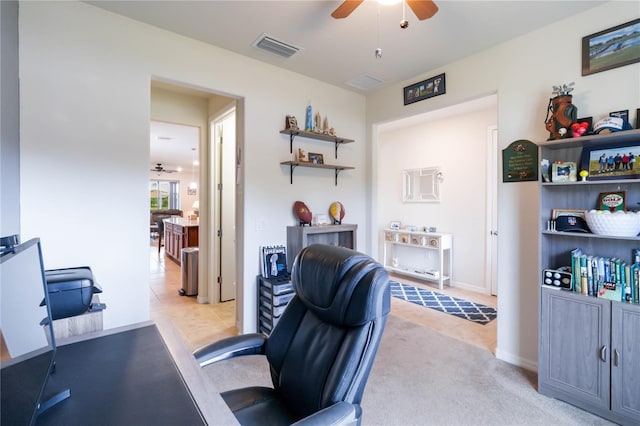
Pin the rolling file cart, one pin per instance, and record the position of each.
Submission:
(273, 296)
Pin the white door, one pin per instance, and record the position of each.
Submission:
(224, 208)
(492, 215)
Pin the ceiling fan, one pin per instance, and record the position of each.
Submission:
(423, 9)
(159, 169)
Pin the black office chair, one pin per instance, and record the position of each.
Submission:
(321, 351)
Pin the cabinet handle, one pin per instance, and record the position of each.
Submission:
(603, 354)
(616, 357)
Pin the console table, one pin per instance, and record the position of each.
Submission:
(412, 253)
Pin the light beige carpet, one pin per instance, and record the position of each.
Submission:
(421, 377)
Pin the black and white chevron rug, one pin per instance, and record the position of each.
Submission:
(471, 311)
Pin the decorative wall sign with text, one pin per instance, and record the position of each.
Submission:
(520, 161)
(425, 89)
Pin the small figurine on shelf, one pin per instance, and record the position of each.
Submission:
(291, 122)
(325, 126)
(308, 125)
(563, 112)
(317, 123)
(302, 156)
(583, 175)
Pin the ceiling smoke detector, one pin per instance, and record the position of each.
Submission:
(272, 45)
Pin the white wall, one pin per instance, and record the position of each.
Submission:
(522, 73)
(9, 121)
(457, 145)
(85, 90)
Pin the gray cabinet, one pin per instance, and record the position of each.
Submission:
(573, 331)
(625, 361)
(299, 237)
(590, 354)
(589, 348)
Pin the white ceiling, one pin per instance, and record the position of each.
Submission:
(338, 51)
(173, 145)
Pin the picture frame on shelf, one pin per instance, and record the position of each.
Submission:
(395, 224)
(624, 114)
(556, 213)
(601, 161)
(563, 171)
(607, 49)
(315, 158)
(638, 118)
(411, 228)
(613, 201)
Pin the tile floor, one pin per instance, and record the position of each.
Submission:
(200, 324)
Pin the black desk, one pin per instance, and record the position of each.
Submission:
(132, 377)
(121, 379)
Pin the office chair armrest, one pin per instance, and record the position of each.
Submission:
(338, 414)
(231, 347)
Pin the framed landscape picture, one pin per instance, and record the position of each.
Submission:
(614, 47)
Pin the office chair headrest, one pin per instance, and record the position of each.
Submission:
(341, 286)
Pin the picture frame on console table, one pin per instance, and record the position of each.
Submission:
(615, 167)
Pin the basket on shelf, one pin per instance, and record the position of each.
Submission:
(618, 224)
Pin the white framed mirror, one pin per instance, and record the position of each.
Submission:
(421, 185)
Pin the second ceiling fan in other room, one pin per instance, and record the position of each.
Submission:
(423, 9)
(160, 169)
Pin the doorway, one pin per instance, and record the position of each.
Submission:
(196, 107)
(223, 148)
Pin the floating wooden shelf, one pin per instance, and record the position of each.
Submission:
(293, 164)
(337, 140)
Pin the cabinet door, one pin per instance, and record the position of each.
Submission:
(574, 340)
(625, 361)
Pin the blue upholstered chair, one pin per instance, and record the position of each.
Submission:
(321, 351)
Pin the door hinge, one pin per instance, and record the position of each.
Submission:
(219, 232)
(219, 187)
(219, 279)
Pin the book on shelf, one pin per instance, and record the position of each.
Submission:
(273, 261)
(607, 278)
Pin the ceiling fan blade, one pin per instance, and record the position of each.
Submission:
(346, 8)
(424, 9)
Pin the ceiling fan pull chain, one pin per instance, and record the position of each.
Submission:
(378, 52)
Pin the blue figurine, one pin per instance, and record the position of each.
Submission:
(308, 126)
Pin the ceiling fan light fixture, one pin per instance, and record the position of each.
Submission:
(389, 2)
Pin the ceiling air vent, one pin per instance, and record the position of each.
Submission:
(270, 44)
(364, 82)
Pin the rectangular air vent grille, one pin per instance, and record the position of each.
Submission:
(364, 82)
(270, 44)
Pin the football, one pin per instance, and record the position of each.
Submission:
(302, 212)
(336, 210)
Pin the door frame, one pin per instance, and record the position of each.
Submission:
(221, 218)
(491, 267)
